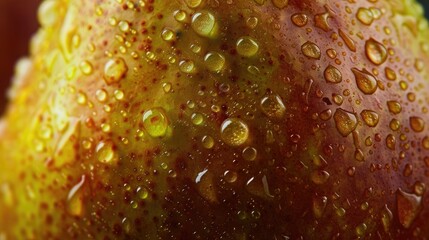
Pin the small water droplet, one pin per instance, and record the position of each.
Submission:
(214, 61)
(361, 229)
(299, 19)
(391, 142)
(365, 16)
(280, 3)
(332, 75)
(204, 24)
(234, 132)
(249, 153)
(75, 199)
(394, 107)
(319, 177)
(124, 26)
(115, 70)
(142, 193)
(390, 73)
(187, 66)
(311, 50)
(273, 106)
(155, 122)
(365, 81)
(86, 67)
(207, 142)
(247, 46)
(346, 122)
(193, 3)
(417, 124)
(230, 176)
(375, 51)
(106, 152)
(197, 119)
(348, 40)
(319, 206)
(386, 218)
(370, 117)
(167, 34)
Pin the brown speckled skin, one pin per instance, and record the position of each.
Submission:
(35, 184)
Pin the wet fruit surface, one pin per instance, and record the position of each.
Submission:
(205, 120)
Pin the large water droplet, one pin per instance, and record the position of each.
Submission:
(319, 206)
(409, 207)
(394, 107)
(386, 218)
(299, 19)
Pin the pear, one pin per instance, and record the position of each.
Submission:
(206, 119)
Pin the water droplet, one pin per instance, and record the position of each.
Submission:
(332, 75)
(49, 13)
(409, 207)
(361, 229)
(249, 154)
(391, 142)
(86, 67)
(299, 19)
(115, 70)
(417, 124)
(273, 106)
(319, 177)
(370, 117)
(193, 3)
(365, 16)
(105, 127)
(180, 16)
(119, 95)
(204, 24)
(142, 193)
(106, 152)
(280, 3)
(247, 46)
(425, 143)
(234, 132)
(101, 95)
(252, 22)
(375, 51)
(394, 124)
(321, 21)
(75, 199)
(386, 218)
(155, 122)
(187, 66)
(124, 26)
(394, 107)
(390, 74)
(214, 61)
(319, 206)
(365, 81)
(167, 34)
(230, 176)
(348, 40)
(197, 119)
(208, 142)
(346, 122)
(311, 50)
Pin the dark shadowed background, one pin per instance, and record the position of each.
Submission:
(17, 24)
